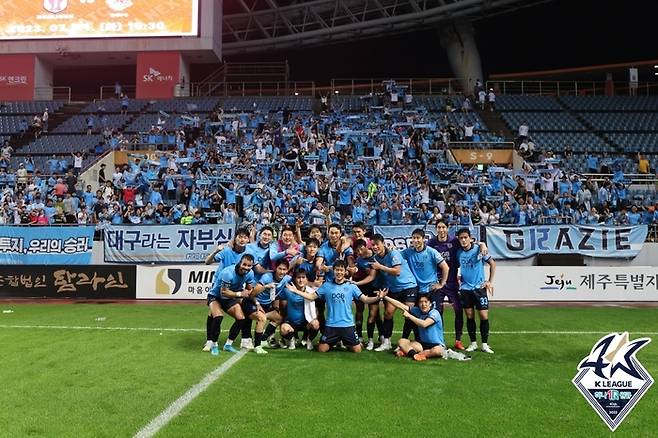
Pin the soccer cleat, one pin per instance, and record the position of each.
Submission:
(455, 355)
(472, 347)
(486, 348)
(230, 348)
(385, 346)
(309, 345)
(272, 342)
(247, 344)
(399, 353)
(370, 346)
(420, 357)
(291, 344)
(303, 342)
(214, 350)
(208, 346)
(260, 350)
(459, 345)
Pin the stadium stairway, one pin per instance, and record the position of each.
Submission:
(54, 120)
(495, 123)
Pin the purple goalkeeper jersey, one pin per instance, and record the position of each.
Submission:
(448, 251)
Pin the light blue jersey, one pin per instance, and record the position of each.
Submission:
(434, 333)
(269, 295)
(471, 264)
(294, 307)
(261, 256)
(397, 283)
(330, 255)
(338, 298)
(424, 265)
(227, 257)
(230, 279)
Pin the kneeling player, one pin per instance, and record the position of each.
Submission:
(338, 295)
(269, 289)
(430, 332)
(297, 319)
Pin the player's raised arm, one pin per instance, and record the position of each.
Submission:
(419, 322)
(309, 296)
(397, 304)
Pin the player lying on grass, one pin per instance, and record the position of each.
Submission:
(338, 295)
(430, 331)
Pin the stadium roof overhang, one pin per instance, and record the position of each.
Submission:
(263, 25)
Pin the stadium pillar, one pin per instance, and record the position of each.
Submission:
(19, 75)
(458, 39)
(161, 74)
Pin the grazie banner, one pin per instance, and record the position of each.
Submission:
(597, 241)
(43, 19)
(17, 77)
(157, 74)
(46, 245)
(163, 243)
(58, 281)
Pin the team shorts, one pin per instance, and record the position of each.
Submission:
(405, 295)
(267, 308)
(296, 326)
(368, 290)
(225, 303)
(333, 335)
(428, 345)
(438, 296)
(474, 298)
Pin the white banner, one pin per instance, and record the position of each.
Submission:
(575, 283)
(174, 282)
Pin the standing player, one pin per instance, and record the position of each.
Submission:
(430, 342)
(368, 282)
(474, 290)
(261, 251)
(306, 261)
(399, 280)
(424, 263)
(339, 294)
(447, 246)
(296, 319)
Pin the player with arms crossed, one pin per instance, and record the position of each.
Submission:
(474, 290)
(338, 295)
(430, 332)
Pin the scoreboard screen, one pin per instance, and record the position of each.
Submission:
(61, 19)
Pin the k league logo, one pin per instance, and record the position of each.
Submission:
(612, 379)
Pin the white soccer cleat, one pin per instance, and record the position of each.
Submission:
(455, 355)
(309, 345)
(207, 347)
(487, 349)
(291, 344)
(385, 346)
(472, 347)
(260, 350)
(370, 346)
(247, 344)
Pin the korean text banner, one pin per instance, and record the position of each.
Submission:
(163, 244)
(596, 241)
(46, 245)
(42, 19)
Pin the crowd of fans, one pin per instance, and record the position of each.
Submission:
(384, 166)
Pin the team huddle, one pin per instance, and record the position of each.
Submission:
(308, 288)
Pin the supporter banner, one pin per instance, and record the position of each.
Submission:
(64, 281)
(598, 241)
(17, 77)
(46, 245)
(175, 282)
(163, 243)
(477, 156)
(582, 283)
(399, 236)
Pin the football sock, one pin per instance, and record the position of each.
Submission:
(484, 330)
(289, 336)
(359, 328)
(470, 326)
(370, 328)
(215, 324)
(459, 321)
(269, 330)
(407, 328)
(379, 324)
(416, 333)
(245, 326)
(233, 332)
(258, 338)
(387, 328)
(411, 353)
(312, 334)
(209, 328)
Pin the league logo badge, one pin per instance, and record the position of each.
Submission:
(612, 379)
(55, 6)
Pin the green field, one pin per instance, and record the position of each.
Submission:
(66, 373)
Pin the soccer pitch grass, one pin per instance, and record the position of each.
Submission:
(66, 373)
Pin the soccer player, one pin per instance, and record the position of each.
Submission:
(296, 319)
(430, 332)
(399, 280)
(447, 246)
(339, 294)
(269, 289)
(474, 290)
(424, 263)
(306, 261)
(261, 251)
(368, 282)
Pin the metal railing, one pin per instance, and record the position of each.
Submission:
(53, 93)
(571, 88)
(257, 88)
(360, 86)
(482, 145)
(107, 91)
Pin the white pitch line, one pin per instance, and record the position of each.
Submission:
(176, 407)
(195, 330)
